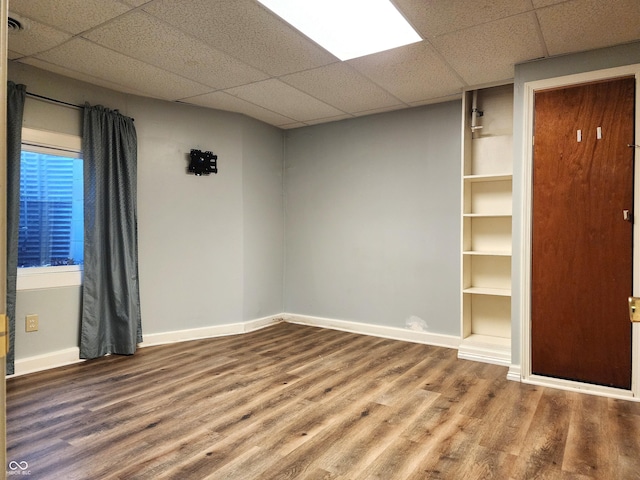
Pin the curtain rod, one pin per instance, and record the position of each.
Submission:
(53, 100)
(49, 99)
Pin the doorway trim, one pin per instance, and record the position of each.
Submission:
(526, 234)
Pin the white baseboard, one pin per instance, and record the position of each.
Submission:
(71, 355)
(37, 363)
(486, 349)
(515, 373)
(579, 387)
(152, 339)
(393, 333)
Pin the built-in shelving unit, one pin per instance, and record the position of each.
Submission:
(487, 167)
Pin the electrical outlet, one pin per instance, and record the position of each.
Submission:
(32, 323)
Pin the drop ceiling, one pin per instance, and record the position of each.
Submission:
(236, 55)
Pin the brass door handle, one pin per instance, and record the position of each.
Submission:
(634, 309)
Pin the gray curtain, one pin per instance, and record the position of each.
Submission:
(15, 107)
(111, 321)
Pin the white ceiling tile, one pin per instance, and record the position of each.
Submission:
(343, 87)
(580, 25)
(80, 76)
(289, 126)
(545, 3)
(318, 121)
(487, 53)
(437, 17)
(37, 37)
(431, 101)
(379, 110)
(199, 49)
(90, 59)
(224, 101)
(411, 73)
(279, 97)
(73, 16)
(245, 30)
(146, 38)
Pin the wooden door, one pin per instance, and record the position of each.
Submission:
(582, 245)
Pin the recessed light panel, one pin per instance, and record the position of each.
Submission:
(347, 28)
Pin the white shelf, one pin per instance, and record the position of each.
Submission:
(488, 340)
(499, 292)
(487, 198)
(498, 177)
(486, 348)
(486, 215)
(493, 253)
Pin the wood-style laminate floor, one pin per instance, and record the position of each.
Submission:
(297, 402)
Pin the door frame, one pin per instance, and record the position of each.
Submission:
(4, 14)
(526, 234)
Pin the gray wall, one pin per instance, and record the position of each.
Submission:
(370, 226)
(554, 67)
(373, 219)
(263, 202)
(199, 237)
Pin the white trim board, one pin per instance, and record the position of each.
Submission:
(164, 338)
(46, 361)
(526, 212)
(70, 356)
(515, 373)
(393, 333)
(480, 348)
(580, 387)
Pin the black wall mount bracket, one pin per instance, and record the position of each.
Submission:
(202, 163)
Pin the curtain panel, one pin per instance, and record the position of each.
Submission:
(111, 320)
(16, 95)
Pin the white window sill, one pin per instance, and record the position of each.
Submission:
(35, 278)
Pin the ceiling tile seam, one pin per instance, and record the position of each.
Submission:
(97, 81)
(348, 65)
(58, 29)
(280, 78)
(107, 22)
(294, 29)
(244, 100)
(39, 52)
(205, 43)
(182, 102)
(407, 19)
(543, 42)
(352, 67)
(73, 36)
(443, 99)
(90, 29)
(278, 113)
(318, 99)
(488, 22)
(295, 88)
(211, 89)
(226, 90)
(444, 60)
(320, 120)
(374, 111)
(47, 50)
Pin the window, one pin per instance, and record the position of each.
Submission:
(51, 236)
(51, 227)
